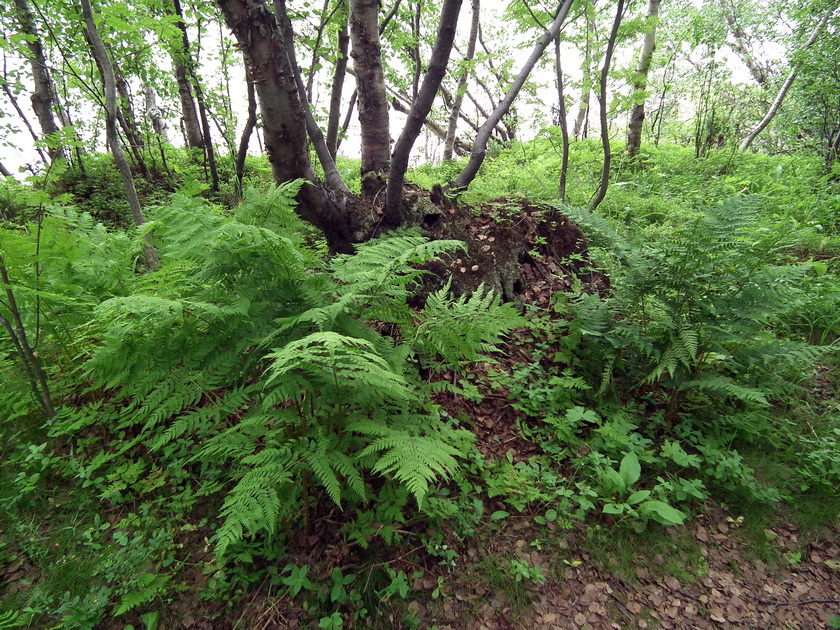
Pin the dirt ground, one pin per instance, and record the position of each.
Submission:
(736, 591)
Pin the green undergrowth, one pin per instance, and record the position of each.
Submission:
(256, 416)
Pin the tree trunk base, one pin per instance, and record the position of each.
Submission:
(523, 251)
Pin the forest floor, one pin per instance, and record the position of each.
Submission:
(732, 588)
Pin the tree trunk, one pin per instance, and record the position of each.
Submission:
(13, 100)
(370, 81)
(460, 91)
(563, 123)
(180, 61)
(4, 171)
(637, 113)
(483, 136)
(42, 94)
(354, 96)
(110, 88)
(602, 106)
(283, 119)
(337, 88)
(127, 120)
(579, 130)
(743, 48)
(780, 97)
(447, 25)
(331, 174)
(245, 139)
(316, 49)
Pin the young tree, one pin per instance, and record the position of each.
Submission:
(109, 83)
(602, 97)
(780, 97)
(469, 172)
(460, 91)
(637, 113)
(44, 89)
(420, 109)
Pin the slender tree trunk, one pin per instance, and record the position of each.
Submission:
(100, 53)
(780, 97)
(460, 91)
(637, 113)
(326, 16)
(602, 97)
(154, 113)
(28, 358)
(189, 113)
(420, 109)
(742, 46)
(181, 62)
(245, 139)
(564, 124)
(579, 130)
(370, 81)
(331, 174)
(337, 88)
(461, 148)
(414, 50)
(4, 171)
(13, 100)
(42, 94)
(483, 136)
(283, 118)
(128, 122)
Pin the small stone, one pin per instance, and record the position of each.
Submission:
(474, 267)
(463, 270)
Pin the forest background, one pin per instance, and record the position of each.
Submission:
(249, 381)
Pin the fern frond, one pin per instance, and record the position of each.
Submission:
(464, 328)
(254, 505)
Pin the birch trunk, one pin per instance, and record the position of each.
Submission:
(637, 113)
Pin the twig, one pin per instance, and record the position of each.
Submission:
(778, 604)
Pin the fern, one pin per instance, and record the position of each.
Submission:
(464, 328)
(256, 504)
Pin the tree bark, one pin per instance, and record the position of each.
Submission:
(154, 113)
(370, 81)
(447, 25)
(743, 48)
(483, 136)
(245, 138)
(354, 96)
(337, 88)
(283, 118)
(605, 131)
(637, 113)
(4, 171)
(42, 94)
(461, 148)
(563, 121)
(180, 62)
(331, 174)
(100, 53)
(579, 129)
(460, 91)
(780, 97)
